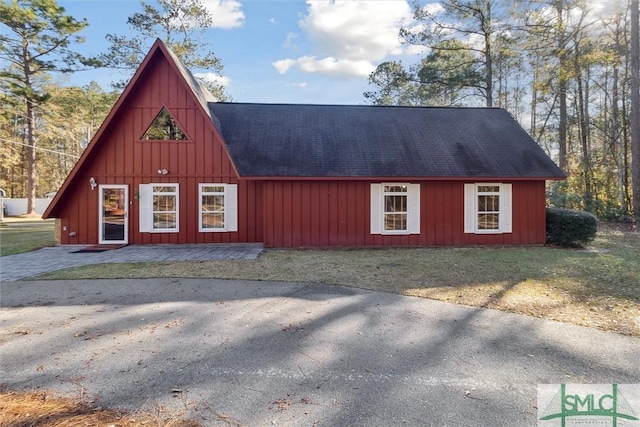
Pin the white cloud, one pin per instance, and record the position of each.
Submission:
(283, 65)
(604, 8)
(289, 41)
(350, 36)
(356, 30)
(214, 78)
(328, 65)
(336, 67)
(226, 14)
(300, 85)
(433, 8)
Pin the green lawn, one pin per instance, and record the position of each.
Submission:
(598, 287)
(24, 236)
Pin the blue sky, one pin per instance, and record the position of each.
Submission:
(276, 51)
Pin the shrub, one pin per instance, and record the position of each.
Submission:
(567, 227)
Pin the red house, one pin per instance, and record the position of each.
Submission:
(171, 165)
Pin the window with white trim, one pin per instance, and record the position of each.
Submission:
(217, 207)
(395, 208)
(159, 208)
(487, 208)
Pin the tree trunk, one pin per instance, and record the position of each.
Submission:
(583, 117)
(31, 141)
(562, 90)
(618, 143)
(31, 162)
(635, 108)
(488, 60)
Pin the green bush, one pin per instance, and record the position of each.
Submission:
(567, 227)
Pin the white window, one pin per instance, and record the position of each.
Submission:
(487, 208)
(217, 207)
(159, 208)
(395, 208)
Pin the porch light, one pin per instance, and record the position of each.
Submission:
(92, 183)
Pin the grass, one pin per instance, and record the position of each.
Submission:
(26, 409)
(24, 236)
(597, 288)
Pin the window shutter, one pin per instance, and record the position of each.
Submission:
(413, 213)
(469, 208)
(145, 202)
(376, 208)
(505, 208)
(231, 207)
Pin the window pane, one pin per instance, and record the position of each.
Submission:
(164, 189)
(488, 203)
(164, 220)
(395, 188)
(395, 203)
(213, 189)
(212, 220)
(488, 189)
(164, 203)
(212, 203)
(396, 222)
(164, 128)
(488, 221)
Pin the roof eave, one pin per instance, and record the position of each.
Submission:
(403, 178)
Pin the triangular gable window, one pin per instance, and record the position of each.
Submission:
(164, 128)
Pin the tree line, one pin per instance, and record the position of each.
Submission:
(45, 125)
(566, 71)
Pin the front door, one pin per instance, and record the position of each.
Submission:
(114, 223)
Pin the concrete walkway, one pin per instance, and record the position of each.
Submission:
(22, 266)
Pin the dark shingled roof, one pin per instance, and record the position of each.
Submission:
(274, 140)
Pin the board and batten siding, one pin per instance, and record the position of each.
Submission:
(318, 213)
(120, 157)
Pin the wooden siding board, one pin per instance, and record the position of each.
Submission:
(296, 213)
(268, 233)
(325, 229)
(332, 237)
(285, 213)
(362, 217)
(305, 215)
(190, 205)
(457, 214)
(258, 212)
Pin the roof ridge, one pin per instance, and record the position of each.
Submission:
(287, 104)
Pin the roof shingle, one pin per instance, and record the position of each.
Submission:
(286, 140)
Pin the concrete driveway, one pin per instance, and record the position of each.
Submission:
(286, 354)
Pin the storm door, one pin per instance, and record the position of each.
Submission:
(114, 224)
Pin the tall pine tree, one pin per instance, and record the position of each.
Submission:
(39, 42)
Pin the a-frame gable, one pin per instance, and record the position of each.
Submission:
(200, 95)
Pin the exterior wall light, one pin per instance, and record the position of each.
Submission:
(92, 183)
(162, 171)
